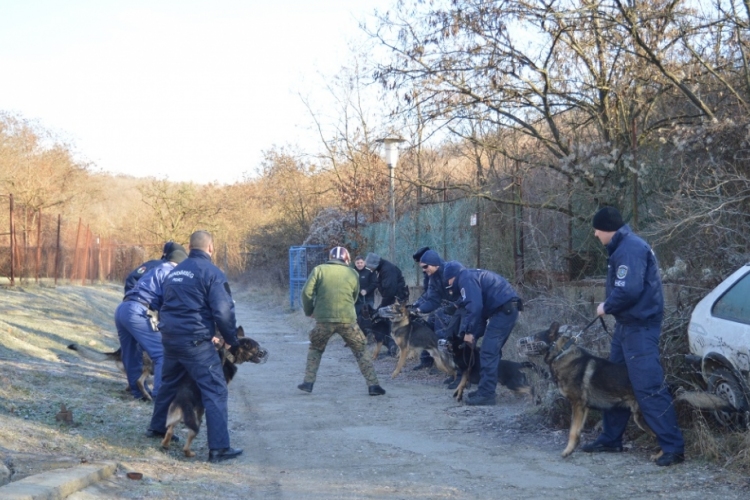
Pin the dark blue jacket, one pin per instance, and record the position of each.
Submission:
(436, 292)
(138, 272)
(149, 288)
(482, 294)
(634, 291)
(197, 297)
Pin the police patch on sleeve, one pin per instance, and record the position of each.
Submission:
(622, 271)
(463, 294)
(141, 270)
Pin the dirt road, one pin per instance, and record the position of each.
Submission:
(414, 442)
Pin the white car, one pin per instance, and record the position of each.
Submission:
(719, 337)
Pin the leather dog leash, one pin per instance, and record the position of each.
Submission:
(574, 338)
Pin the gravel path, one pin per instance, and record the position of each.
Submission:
(414, 442)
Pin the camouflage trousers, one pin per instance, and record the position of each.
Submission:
(354, 339)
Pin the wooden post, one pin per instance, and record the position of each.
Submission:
(445, 222)
(518, 229)
(634, 221)
(38, 243)
(109, 260)
(74, 273)
(99, 258)
(86, 257)
(57, 247)
(12, 246)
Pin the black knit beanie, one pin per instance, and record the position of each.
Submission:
(608, 219)
(419, 253)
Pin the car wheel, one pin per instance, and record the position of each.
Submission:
(725, 385)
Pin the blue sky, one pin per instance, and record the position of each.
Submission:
(188, 90)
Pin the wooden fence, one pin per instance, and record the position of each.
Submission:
(45, 248)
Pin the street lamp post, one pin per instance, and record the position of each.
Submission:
(390, 145)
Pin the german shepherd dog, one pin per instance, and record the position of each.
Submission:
(187, 405)
(412, 337)
(116, 357)
(466, 359)
(587, 381)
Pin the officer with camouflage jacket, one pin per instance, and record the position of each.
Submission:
(329, 296)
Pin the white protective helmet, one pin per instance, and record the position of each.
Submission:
(340, 253)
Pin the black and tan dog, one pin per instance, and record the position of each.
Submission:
(412, 337)
(587, 381)
(466, 359)
(116, 357)
(187, 405)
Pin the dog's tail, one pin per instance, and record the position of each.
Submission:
(189, 417)
(704, 400)
(94, 355)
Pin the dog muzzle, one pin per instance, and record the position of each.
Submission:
(444, 346)
(262, 356)
(529, 346)
(386, 312)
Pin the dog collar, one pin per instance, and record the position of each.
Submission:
(565, 347)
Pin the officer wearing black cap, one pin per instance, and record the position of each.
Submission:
(416, 256)
(492, 307)
(433, 301)
(635, 299)
(136, 324)
(197, 303)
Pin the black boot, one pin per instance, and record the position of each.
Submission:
(424, 362)
(224, 454)
(305, 386)
(158, 434)
(375, 390)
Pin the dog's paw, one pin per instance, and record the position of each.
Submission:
(656, 456)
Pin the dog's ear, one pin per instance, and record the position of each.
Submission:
(240, 332)
(552, 333)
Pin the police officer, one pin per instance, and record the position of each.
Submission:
(136, 326)
(328, 296)
(417, 256)
(635, 299)
(425, 360)
(392, 286)
(432, 301)
(491, 312)
(139, 271)
(429, 261)
(197, 302)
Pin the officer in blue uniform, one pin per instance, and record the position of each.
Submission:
(491, 312)
(425, 360)
(432, 301)
(635, 299)
(136, 327)
(197, 302)
(139, 271)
